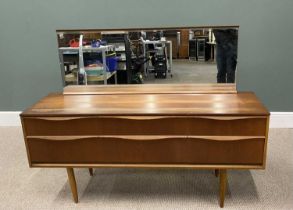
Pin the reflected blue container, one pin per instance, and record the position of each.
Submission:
(95, 43)
(112, 63)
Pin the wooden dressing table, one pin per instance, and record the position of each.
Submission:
(158, 126)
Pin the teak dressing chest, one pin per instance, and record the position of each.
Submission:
(192, 126)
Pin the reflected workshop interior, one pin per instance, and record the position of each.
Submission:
(148, 56)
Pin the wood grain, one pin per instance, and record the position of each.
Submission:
(160, 151)
(240, 104)
(139, 127)
(146, 125)
(222, 118)
(143, 165)
(146, 137)
(223, 184)
(266, 142)
(72, 183)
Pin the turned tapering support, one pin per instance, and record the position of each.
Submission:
(223, 185)
(217, 172)
(72, 182)
(91, 171)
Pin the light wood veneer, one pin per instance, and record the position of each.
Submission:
(147, 126)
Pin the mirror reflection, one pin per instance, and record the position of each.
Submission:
(148, 56)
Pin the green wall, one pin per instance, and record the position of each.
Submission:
(29, 66)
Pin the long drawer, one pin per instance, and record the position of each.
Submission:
(146, 149)
(146, 125)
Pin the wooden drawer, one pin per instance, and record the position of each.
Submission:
(146, 150)
(153, 125)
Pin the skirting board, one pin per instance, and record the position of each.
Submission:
(281, 120)
(10, 119)
(278, 119)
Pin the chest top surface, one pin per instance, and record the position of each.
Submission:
(58, 104)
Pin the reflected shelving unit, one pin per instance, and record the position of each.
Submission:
(79, 51)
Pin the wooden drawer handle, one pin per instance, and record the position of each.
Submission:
(226, 138)
(224, 118)
(232, 118)
(183, 117)
(58, 118)
(119, 137)
(146, 137)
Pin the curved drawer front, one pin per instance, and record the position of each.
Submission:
(130, 125)
(146, 150)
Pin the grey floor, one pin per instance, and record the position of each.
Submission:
(188, 71)
(22, 187)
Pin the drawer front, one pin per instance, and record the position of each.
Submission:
(146, 150)
(239, 126)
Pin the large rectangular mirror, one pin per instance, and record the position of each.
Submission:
(149, 55)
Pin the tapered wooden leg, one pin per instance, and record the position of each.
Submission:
(216, 172)
(91, 171)
(72, 183)
(223, 184)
